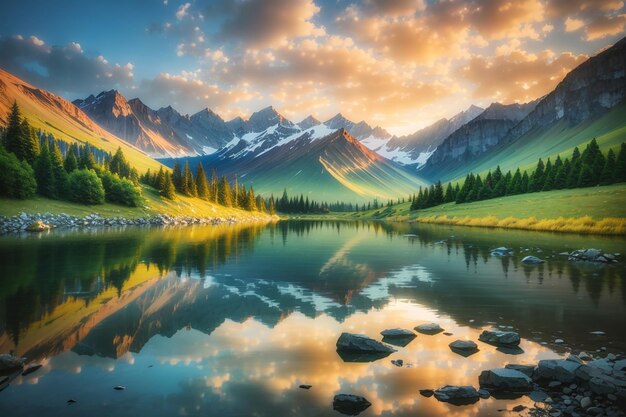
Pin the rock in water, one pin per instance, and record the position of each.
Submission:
(525, 369)
(10, 363)
(37, 226)
(429, 328)
(591, 255)
(557, 369)
(401, 333)
(463, 347)
(427, 392)
(306, 386)
(361, 348)
(532, 260)
(507, 380)
(361, 343)
(499, 338)
(119, 388)
(457, 395)
(501, 251)
(349, 404)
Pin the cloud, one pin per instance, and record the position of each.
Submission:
(597, 19)
(64, 69)
(518, 76)
(266, 23)
(182, 11)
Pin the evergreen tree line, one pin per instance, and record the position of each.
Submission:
(586, 169)
(32, 163)
(216, 189)
(303, 205)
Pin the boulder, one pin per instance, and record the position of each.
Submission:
(397, 333)
(525, 369)
(463, 347)
(37, 226)
(457, 395)
(427, 392)
(532, 260)
(501, 251)
(557, 369)
(503, 379)
(351, 342)
(349, 404)
(361, 348)
(10, 363)
(592, 255)
(429, 328)
(499, 338)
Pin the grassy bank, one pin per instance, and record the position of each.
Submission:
(584, 210)
(153, 205)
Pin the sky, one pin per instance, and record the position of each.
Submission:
(400, 64)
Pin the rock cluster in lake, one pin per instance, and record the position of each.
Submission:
(592, 255)
(361, 348)
(42, 222)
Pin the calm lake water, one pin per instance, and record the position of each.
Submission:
(230, 320)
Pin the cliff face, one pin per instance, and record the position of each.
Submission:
(590, 90)
(479, 135)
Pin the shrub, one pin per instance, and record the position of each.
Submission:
(17, 179)
(84, 186)
(120, 190)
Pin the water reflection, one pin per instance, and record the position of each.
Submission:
(193, 320)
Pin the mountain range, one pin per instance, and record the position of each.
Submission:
(339, 159)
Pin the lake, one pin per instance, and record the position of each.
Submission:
(230, 320)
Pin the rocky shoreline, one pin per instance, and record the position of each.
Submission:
(38, 222)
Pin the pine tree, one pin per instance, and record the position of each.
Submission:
(537, 177)
(177, 178)
(214, 185)
(250, 201)
(86, 160)
(437, 194)
(620, 165)
(272, 206)
(608, 171)
(548, 181)
(13, 133)
(60, 175)
(44, 174)
(476, 189)
(224, 196)
(71, 163)
(168, 190)
(587, 177)
(29, 143)
(574, 173)
(202, 184)
(160, 180)
(260, 204)
(560, 179)
(118, 164)
(189, 184)
(524, 183)
(514, 186)
(468, 184)
(449, 194)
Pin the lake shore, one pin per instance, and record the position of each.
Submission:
(37, 222)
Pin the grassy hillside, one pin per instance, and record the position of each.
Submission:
(560, 139)
(182, 206)
(55, 115)
(584, 210)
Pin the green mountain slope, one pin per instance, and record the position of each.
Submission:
(559, 138)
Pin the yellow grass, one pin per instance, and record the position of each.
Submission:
(584, 224)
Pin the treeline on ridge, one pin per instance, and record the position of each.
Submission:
(586, 169)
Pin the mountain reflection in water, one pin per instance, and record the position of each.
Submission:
(229, 320)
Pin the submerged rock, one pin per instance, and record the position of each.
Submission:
(499, 338)
(592, 255)
(361, 348)
(427, 392)
(457, 395)
(349, 404)
(532, 260)
(463, 347)
(504, 379)
(397, 333)
(501, 251)
(305, 386)
(429, 328)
